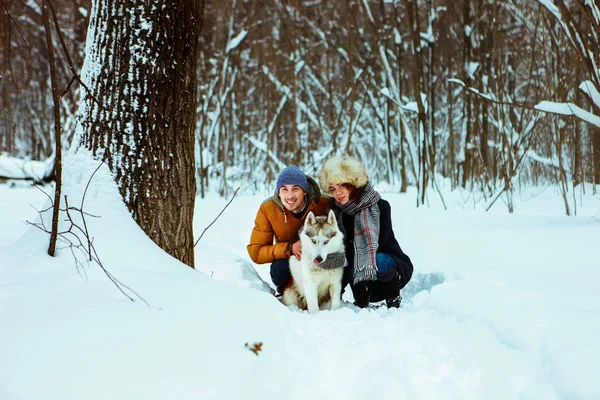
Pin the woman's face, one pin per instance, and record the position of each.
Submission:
(340, 192)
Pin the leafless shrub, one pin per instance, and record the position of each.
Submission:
(77, 238)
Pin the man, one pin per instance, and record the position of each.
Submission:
(275, 238)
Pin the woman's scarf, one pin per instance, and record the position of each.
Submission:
(366, 233)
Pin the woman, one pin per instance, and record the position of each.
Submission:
(377, 266)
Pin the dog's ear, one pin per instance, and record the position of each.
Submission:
(331, 218)
(310, 219)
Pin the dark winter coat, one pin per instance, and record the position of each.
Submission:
(276, 228)
(387, 241)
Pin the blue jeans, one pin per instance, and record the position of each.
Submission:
(385, 265)
(385, 262)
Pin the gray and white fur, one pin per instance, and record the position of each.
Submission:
(317, 277)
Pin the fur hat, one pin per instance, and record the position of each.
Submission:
(343, 169)
(292, 175)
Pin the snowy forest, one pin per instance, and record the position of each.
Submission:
(484, 95)
(140, 138)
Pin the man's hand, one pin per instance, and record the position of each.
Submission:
(297, 250)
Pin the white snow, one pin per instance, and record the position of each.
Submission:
(397, 36)
(468, 30)
(500, 307)
(18, 168)
(411, 106)
(32, 4)
(472, 67)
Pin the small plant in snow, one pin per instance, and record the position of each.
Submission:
(77, 239)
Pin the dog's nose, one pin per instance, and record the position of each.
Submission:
(318, 260)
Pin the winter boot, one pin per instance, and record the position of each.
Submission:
(393, 303)
(391, 292)
(362, 295)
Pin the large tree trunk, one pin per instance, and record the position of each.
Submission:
(141, 69)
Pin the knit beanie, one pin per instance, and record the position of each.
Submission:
(292, 175)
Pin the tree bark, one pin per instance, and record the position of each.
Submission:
(141, 66)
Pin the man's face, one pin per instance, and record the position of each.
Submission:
(292, 197)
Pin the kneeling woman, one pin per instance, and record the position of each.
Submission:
(377, 266)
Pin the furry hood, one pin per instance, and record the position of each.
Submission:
(343, 169)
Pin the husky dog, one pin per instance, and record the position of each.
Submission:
(317, 277)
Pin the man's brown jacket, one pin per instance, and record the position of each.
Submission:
(276, 228)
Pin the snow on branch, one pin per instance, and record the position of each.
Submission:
(572, 27)
(549, 162)
(554, 10)
(549, 4)
(568, 109)
(410, 106)
(412, 146)
(486, 96)
(591, 90)
(286, 91)
(271, 126)
(594, 10)
(368, 10)
(264, 148)
(235, 42)
(544, 106)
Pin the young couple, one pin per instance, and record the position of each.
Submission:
(377, 267)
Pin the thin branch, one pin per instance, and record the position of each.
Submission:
(71, 67)
(215, 220)
(47, 195)
(491, 99)
(10, 17)
(66, 90)
(83, 197)
(486, 97)
(512, 175)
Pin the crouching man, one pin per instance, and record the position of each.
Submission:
(274, 238)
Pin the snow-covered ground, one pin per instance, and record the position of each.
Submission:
(501, 307)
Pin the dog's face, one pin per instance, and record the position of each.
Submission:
(321, 236)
